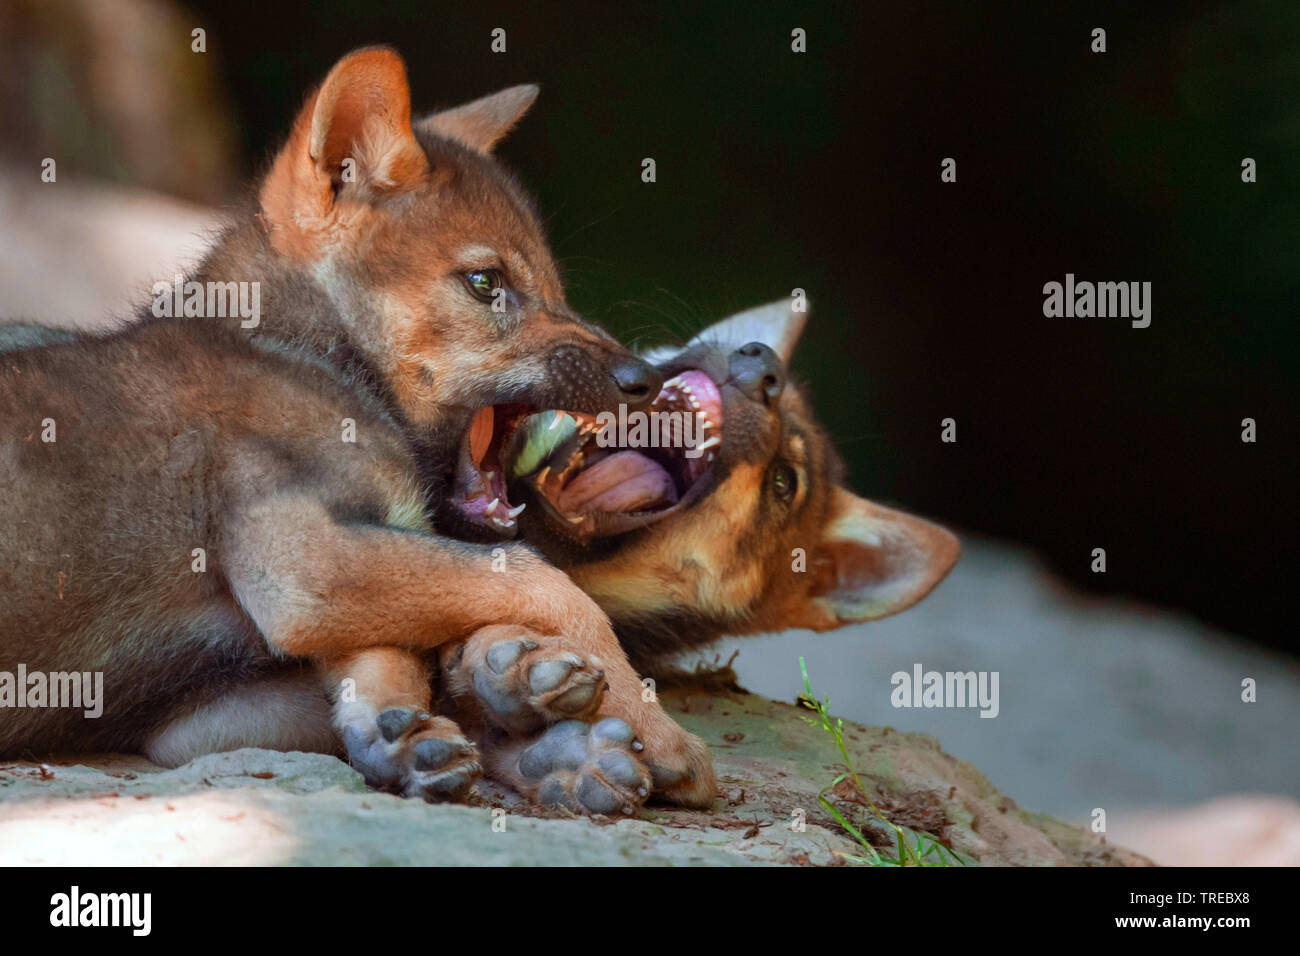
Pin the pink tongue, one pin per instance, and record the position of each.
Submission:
(624, 481)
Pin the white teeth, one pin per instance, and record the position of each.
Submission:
(489, 475)
(492, 507)
(576, 519)
(711, 443)
(710, 456)
(514, 512)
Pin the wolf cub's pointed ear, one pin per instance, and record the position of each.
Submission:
(480, 125)
(777, 325)
(873, 562)
(352, 140)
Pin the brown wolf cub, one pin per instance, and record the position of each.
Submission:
(194, 498)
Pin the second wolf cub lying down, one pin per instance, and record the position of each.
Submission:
(678, 551)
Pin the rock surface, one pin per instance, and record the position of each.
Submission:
(254, 807)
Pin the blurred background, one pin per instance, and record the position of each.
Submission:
(820, 170)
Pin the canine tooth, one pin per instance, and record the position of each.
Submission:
(705, 446)
(514, 512)
(492, 507)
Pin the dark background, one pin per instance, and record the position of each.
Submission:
(821, 171)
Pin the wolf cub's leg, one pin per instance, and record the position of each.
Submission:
(382, 708)
(321, 589)
(283, 711)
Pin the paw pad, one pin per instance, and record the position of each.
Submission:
(524, 686)
(586, 768)
(408, 751)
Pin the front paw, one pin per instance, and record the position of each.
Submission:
(524, 681)
(680, 764)
(409, 752)
(586, 768)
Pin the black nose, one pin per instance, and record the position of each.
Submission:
(638, 381)
(757, 371)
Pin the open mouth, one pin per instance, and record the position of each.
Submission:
(480, 476)
(606, 475)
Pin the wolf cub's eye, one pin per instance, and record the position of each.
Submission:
(785, 482)
(482, 283)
